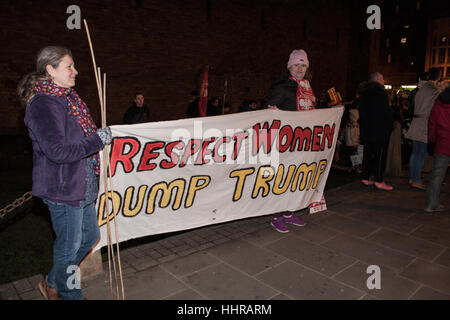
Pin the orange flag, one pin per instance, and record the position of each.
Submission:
(203, 101)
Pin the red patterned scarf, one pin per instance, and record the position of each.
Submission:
(305, 95)
(76, 107)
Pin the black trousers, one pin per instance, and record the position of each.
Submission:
(374, 160)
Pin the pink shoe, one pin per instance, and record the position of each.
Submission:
(368, 182)
(279, 225)
(296, 221)
(383, 186)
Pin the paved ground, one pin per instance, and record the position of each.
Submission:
(327, 259)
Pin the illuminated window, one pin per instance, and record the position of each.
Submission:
(387, 42)
(443, 40)
(403, 40)
(406, 27)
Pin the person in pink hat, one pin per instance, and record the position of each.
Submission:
(292, 92)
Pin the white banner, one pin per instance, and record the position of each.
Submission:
(176, 175)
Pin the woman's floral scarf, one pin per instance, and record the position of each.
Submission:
(76, 107)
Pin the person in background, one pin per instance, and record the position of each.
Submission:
(439, 146)
(292, 92)
(192, 111)
(376, 125)
(216, 107)
(138, 112)
(250, 106)
(66, 164)
(417, 132)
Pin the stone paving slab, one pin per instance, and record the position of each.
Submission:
(190, 264)
(441, 223)
(327, 259)
(348, 225)
(8, 292)
(321, 259)
(425, 293)
(386, 220)
(315, 233)
(430, 274)
(392, 286)
(264, 237)
(151, 284)
(435, 235)
(444, 258)
(224, 282)
(299, 282)
(369, 252)
(187, 294)
(246, 257)
(410, 245)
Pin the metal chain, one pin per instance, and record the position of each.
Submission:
(17, 203)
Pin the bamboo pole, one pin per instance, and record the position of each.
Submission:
(102, 98)
(104, 101)
(108, 179)
(117, 233)
(108, 228)
(105, 179)
(97, 81)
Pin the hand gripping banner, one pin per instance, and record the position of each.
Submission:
(176, 175)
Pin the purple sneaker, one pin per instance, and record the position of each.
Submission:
(296, 221)
(279, 225)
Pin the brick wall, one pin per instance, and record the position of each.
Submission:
(161, 47)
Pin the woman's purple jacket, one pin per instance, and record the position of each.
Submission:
(60, 149)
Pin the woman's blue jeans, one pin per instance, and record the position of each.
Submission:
(417, 159)
(440, 166)
(76, 232)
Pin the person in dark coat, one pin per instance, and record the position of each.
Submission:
(291, 92)
(138, 112)
(192, 111)
(214, 108)
(376, 125)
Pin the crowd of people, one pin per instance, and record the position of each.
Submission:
(66, 144)
(398, 133)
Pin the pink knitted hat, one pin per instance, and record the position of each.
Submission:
(297, 57)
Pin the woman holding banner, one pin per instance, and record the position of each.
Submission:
(65, 143)
(292, 92)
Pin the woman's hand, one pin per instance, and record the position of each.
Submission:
(272, 107)
(105, 135)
